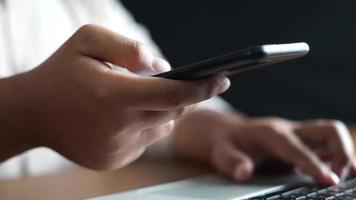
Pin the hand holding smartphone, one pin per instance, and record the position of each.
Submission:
(239, 61)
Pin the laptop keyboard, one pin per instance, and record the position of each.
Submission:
(343, 191)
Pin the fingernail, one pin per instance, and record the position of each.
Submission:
(353, 163)
(161, 65)
(344, 173)
(223, 83)
(334, 178)
(329, 177)
(243, 172)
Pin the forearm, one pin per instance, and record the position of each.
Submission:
(12, 140)
(166, 147)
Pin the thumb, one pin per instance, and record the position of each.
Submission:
(233, 162)
(160, 65)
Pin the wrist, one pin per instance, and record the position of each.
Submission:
(194, 134)
(14, 138)
(5, 127)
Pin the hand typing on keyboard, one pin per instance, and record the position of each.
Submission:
(345, 190)
(237, 145)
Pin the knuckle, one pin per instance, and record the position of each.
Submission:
(275, 119)
(176, 99)
(137, 49)
(335, 128)
(273, 131)
(330, 123)
(86, 31)
(87, 28)
(208, 91)
(87, 35)
(334, 123)
(102, 96)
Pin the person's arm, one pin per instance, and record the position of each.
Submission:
(235, 145)
(97, 117)
(11, 143)
(164, 149)
(195, 133)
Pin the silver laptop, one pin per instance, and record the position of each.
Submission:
(211, 187)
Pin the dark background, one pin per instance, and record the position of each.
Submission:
(321, 85)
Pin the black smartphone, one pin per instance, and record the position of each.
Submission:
(239, 61)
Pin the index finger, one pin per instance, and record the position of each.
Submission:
(159, 94)
(290, 149)
(335, 135)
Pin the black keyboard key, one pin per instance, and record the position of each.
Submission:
(274, 197)
(343, 191)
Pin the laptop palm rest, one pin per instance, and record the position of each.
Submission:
(212, 187)
(220, 188)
